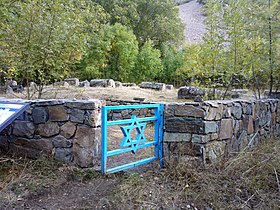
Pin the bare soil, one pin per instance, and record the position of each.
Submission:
(109, 93)
(193, 20)
(248, 181)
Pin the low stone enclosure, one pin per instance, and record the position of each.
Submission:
(70, 130)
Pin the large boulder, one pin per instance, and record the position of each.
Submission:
(189, 92)
(84, 84)
(102, 83)
(118, 84)
(72, 81)
(273, 95)
(153, 85)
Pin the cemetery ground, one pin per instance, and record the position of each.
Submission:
(249, 180)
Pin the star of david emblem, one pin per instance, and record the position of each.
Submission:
(127, 141)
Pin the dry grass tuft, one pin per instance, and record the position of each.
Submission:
(248, 181)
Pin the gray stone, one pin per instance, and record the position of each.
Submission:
(189, 92)
(198, 99)
(236, 111)
(93, 118)
(58, 113)
(63, 154)
(117, 116)
(4, 143)
(169, 87)
(102, 83)
(118, 84)
(211, 113)
(125, 114)
(68, 130)
(153, 85)
(24, 129)
(61, 142)
(226, 129)
(200, 138)
(215, 151)
(254, 139)
(227, 112)
(242, 140)
(86, 105)
(41, 145)
(9, 90)
(40, 115)
(86, 145)
(48, 129)
(177, 137)
(184, 125)
(220, 112)
(211, 127)
(188, 111)
(72, 81)
(77, 116)
(128, 84)
(84, 84)
(176, 150)
(13, 83)
(111, 83)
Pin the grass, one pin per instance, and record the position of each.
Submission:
(248, 181)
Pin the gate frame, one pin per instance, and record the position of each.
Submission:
(157, 141)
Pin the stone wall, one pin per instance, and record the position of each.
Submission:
(67, 129)
(126, 114)
(70, 129)
(213, 129)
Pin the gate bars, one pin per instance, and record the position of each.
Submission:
(132, 145)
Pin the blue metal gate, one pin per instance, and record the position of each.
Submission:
(128, 144)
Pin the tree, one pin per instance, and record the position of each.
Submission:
(172, 60)
(112, 55)
(214, 42)
(42, 38)
(155, 20)
(148, 65)
(235, 24)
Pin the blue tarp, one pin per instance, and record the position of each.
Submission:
(9, 111)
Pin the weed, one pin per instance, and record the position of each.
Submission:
(247, 181)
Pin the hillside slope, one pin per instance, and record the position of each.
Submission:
(192, 18)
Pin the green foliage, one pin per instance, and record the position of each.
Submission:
(240, 48)
(155, 20)
(172, 60)
(148, 64)
(112, 55)
(42, 38)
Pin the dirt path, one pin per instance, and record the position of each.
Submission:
(192, 18)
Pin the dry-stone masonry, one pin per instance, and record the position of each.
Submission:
(126, 113)
(153, 85)
(128, 84)
(102, 83)
(189, 92)
(68, 129)
(72, 81)
(214, 129)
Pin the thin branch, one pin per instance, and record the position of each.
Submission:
(277, 179)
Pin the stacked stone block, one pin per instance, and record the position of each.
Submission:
(126, 113)
(68, 129)
(214, 129)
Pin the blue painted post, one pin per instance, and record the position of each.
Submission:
(161, 135)
(104, 139)
(156, 132)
